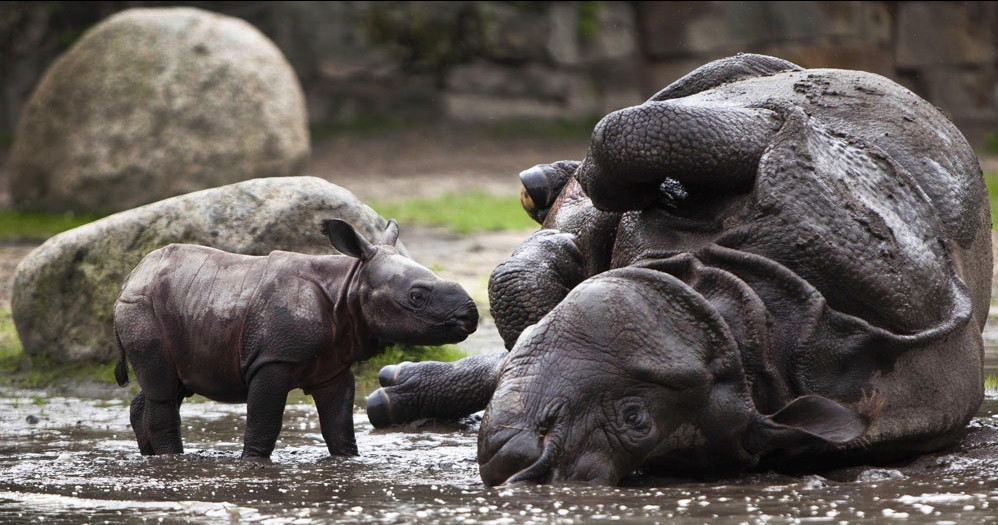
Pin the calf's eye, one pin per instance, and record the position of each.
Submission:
(417, 297)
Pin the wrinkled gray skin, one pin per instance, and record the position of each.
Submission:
(760, 265)
(246, 329)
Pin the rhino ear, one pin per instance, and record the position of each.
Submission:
(806, 422)
(346, 240)
(391, 233)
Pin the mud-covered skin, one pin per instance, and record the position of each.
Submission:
(760, 265)
(833, 228)
(237, 328)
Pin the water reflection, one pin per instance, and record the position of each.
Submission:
(77, 462)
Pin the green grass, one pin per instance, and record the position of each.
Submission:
(991, 181)
(367, 371)
(464, 214)
(991, 383)
(16, 226)
(10, 345)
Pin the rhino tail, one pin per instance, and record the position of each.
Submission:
(120, 369)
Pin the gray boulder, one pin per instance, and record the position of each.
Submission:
(64, 290)
(153, 103)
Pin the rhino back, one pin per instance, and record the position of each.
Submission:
(873, 110)
(199, 297)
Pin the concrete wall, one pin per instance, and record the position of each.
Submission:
(485, 61)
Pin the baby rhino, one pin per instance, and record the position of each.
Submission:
(249, 329)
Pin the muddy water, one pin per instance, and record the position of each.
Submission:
(70, 458)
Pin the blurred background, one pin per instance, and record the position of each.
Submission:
(374, 64)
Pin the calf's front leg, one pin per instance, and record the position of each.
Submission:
(334, 402)
(268, 393)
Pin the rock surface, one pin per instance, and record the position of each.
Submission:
(64, 291)
(154, 103)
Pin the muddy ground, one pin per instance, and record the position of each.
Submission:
(67, 454)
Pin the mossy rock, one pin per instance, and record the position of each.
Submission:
(64, 291)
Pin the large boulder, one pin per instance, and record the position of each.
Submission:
(153, 103)
(64, 291)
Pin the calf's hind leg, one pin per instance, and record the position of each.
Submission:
(155, 411)
(161, 426)
(135, 416)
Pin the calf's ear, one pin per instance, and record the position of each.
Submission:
(806, 422)
(346, 240)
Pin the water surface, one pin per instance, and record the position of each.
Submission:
(71, 458)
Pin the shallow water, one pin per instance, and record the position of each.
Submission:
(71, 458)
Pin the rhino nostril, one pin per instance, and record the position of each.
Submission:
(467, 317)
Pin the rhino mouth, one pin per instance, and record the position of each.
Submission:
(517, 456)
(465, 319)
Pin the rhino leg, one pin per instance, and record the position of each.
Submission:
(135, 416)
(710, 149)
(731, 69)
(539, 274)
(431, 389)
(161, 426)
(268, 393)
(334, 402)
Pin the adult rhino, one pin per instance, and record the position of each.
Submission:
(760, 265)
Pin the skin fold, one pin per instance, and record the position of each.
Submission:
(761, 265)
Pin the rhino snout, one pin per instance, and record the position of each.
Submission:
(512, 455)
(466, 317)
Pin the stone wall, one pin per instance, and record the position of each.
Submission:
(485, 61)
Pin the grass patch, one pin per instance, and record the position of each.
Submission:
(464, 214)
(991, 181)
(991, 383)
(16, 226)
(395, 354)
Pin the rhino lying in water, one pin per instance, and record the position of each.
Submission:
(760, 265)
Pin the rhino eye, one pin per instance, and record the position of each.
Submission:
(417, 296)
(634, 416)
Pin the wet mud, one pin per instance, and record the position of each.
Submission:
(71, 458)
